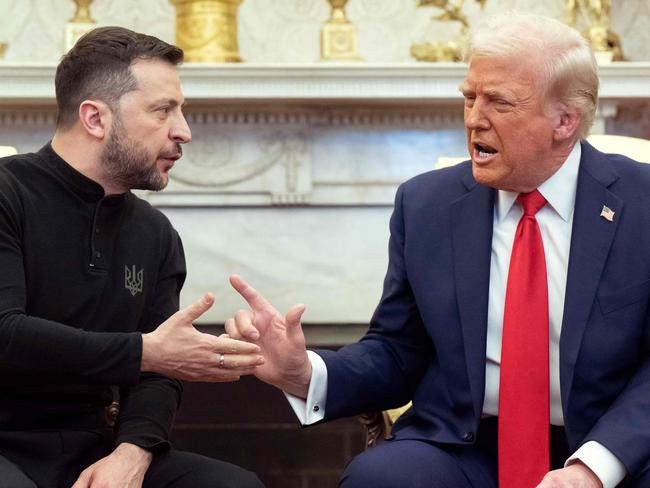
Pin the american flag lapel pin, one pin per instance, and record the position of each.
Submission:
(607, 213)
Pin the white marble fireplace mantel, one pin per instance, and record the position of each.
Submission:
(290, 177)
(32, 82)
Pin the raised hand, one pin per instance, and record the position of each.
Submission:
(280, 338)
(176, 349)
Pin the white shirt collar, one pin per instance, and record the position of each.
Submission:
(559, 190)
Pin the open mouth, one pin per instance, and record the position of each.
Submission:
(483, 152)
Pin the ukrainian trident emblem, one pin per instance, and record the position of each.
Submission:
(133, 280)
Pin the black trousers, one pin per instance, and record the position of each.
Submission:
(55, 460)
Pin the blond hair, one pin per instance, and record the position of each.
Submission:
(568, 70)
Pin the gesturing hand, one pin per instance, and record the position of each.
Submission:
(178, 350)
(280, 338)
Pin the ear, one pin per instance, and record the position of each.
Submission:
(95, 118)
(567, 122)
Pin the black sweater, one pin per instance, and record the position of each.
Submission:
(81, 276)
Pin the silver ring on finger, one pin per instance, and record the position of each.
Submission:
(222, 361)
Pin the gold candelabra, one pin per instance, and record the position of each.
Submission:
(339, 35)
(207, 30)
(598, 14)
(439, 50)
(79, 24)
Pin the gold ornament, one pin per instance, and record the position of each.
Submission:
(79, 24)
(3, 48)
(339, 35)
(598, 14)
(82, 14)
(207, 30)
(450, 50)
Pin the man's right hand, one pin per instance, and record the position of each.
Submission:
(286, 364)
(176, 349)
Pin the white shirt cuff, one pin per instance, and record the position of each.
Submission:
(312, 410)
(609, 469)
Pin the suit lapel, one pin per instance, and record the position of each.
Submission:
(472, 217)
(591, 240)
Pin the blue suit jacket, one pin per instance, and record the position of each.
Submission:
(427, 337)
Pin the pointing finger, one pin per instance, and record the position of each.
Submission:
(250, 294)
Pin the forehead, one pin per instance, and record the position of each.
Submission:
(156, 79)
(492, 73)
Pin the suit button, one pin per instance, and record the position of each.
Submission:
(316, 408)
(468, 436)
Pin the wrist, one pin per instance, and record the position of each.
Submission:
(587, 472)
(134, 453)
(299, 385)
(147, 361)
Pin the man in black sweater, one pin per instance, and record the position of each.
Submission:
(89, 284)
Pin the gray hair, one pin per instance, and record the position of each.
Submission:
(568, 67)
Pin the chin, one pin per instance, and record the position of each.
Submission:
(487, 177)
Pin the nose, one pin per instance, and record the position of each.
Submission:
(180, 131)
(475, 117)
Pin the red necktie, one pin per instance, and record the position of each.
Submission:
(524, 384)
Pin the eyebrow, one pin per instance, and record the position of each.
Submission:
(488, 92)
(167, 101)
(464, 89)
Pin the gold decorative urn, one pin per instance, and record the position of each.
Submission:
(207, 30)
(79, 24)
(339, 35)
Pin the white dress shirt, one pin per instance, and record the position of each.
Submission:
(555, 222)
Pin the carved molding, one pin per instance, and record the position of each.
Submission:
(403, 83)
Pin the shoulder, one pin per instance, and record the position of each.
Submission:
(17, 165)
(625, 174)
(16, 172)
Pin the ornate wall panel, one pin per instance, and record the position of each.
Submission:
(289, 30)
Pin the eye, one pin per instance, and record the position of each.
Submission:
(469, 100)
(164, 111)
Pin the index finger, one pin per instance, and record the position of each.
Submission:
(233, 346)
(251, 295)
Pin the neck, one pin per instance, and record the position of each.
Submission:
(84, 155)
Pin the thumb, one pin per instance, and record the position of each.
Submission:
(198, 308)
(292, 318)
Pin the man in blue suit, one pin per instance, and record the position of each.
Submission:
(438, 335)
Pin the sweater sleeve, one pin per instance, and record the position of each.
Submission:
(147, 410)
(32, 348)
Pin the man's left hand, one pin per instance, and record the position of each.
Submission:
(576, 475)
(125, 467)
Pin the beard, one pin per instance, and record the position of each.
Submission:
(127, 162)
